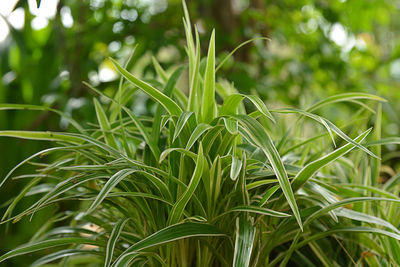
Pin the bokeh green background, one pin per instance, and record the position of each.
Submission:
(317, 48)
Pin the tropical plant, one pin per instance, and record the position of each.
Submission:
(213, 178)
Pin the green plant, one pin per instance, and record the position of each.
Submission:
(208, 184)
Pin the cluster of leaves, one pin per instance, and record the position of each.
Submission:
(204, 182)
(301, 63)
(47, 66)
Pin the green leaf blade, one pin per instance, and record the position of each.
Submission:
(157, 96)
(49, 243)
(111, 183)
(208, 107)
(177, 209)
(259, 136)
(113, 240)
(169, 234)
(310, 169)
(104, 124)
(245, 233)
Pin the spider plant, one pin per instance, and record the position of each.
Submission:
(212, 178)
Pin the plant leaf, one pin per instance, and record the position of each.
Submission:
(49, 243)
(344, 97)
(169, 234)
(231, 125)
(111, 183)
(157, 96)
(166, 152)
(208, 106)
(149, 141)
(363, 217)
(104, 124)
(384, 141)
(183, 118)
(260, 137)
(23, 192)
(197, 132)
(231, 104)
(245, 233)
(328, 125)
(44, 136)
(310, 169)
(177, 209)
(113, 240)
(63, 254)
(236, 166)
(168, 89)
(260, 210)
(268, 194)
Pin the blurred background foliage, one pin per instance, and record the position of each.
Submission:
(317, 48)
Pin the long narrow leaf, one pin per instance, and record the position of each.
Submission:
(177, 209)
(259, 210)
(43, 152)
(344, 97)
(197, 132)
(49, 243)
(44, 136)
(166, 152)
(159, 97)
(328, 125)
(236, 166)
(149, 141)
(245, 233)
(64, 254)
(113, 240)
(168, 89)
(259, 136)
(104, 124)
(181, 123)
(111, 183)
(208, 106)
(310, 169)
(231, 105)
(169, 234)
(363, 217)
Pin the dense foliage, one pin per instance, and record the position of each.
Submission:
(207, 176)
